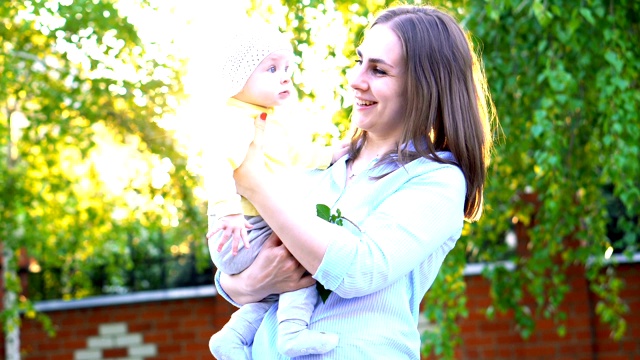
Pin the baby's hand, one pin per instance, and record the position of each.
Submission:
(234, 227)
(339, 151)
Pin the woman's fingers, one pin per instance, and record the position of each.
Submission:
(278, 269)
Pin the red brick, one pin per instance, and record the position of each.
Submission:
(156, 337)
(630, 346)
(619, 357)
(539, 350)
(477, 292)
(608, 347)
(194, 323)
(190, 357)
(165, 325)
(496, 326)
(468, 327)
(183, 336)
(153, 315)
(574, 357)
(195, 347)
(479, 341)
(173, 348)
(50, 346)
(114, 353)
(86, 331)
(488, 353)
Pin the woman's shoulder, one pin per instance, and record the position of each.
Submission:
(445, 165)
(441, 160)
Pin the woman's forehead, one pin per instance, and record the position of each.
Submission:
(380, 42)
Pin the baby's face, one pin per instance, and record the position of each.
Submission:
(270, 83)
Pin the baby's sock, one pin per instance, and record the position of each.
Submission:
(232, 342)
(294, 339)
(228, 344)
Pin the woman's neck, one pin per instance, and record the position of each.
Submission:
(374, 148)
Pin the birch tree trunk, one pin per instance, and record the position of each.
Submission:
(12, 321)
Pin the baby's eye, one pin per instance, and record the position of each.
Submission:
(272, 69)
(286, 68)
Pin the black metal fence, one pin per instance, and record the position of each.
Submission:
(139, 274)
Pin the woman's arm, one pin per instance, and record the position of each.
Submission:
(420, 219)
(274, 271)
(410, 228)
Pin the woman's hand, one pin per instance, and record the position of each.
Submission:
(274, 271)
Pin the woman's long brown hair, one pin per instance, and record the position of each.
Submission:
(448, 104)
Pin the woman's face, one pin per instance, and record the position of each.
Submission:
(378, 81)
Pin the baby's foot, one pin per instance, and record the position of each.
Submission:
(296, 340)
(227, 344)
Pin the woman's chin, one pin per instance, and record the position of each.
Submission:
(358, 122)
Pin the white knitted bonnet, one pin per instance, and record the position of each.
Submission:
(244, 52)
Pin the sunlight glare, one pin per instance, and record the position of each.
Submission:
(192, 121)
(608, 253)
(195, 35)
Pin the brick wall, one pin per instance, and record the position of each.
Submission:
(586, 337)
(630, 347)
(177, 325)
(174, 327)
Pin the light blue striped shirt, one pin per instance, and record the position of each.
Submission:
(408, 221)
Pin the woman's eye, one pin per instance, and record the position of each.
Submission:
(379, 71)
(359, 61)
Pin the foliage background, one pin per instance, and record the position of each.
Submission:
(87, 174)
(566, 165)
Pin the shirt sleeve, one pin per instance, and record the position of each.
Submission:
(221, 292)
(414, 224)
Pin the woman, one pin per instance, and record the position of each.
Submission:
(415, 171)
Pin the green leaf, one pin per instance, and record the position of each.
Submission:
(614, 60)
(537, 130)
(323, 212)
(586, 13)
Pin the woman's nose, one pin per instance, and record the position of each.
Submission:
(356, 78)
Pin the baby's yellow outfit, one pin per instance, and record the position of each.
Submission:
(282, 150)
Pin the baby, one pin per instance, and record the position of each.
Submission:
(256, 76)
